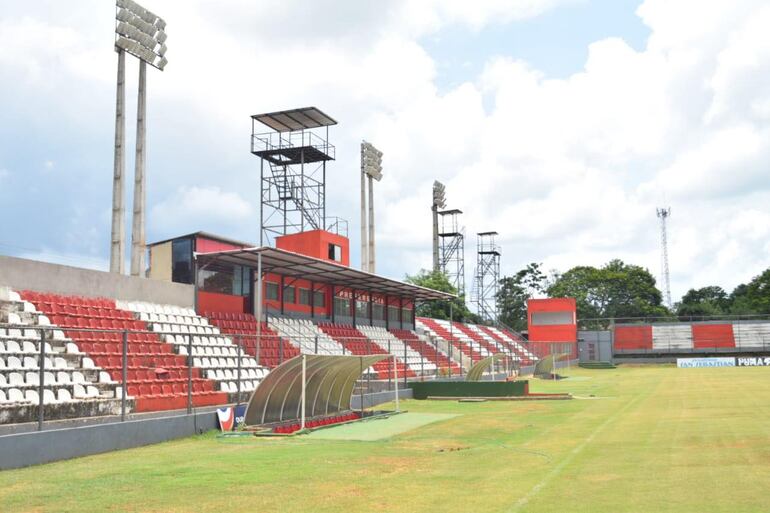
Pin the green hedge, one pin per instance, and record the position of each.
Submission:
(422, 390)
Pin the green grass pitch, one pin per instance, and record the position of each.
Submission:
(651, 439)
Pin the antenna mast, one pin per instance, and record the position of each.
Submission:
(663, 215)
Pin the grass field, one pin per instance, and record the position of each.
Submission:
(652, 439)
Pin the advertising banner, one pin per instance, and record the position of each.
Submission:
(230, 418)
(753, 361)
(689, 363)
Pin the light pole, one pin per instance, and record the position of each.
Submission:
(371, 167)
(142, 34)
(439, 201)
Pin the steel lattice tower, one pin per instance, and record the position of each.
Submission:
(293, 186)
(663, 215)
(452, 248)
(487, 275)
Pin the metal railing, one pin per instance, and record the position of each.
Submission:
(121, 353)
(272, 141)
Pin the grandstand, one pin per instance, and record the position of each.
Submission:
(685, 338)
(116, 353)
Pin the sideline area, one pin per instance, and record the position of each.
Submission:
(660, 439)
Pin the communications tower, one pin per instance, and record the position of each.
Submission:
(663, 215)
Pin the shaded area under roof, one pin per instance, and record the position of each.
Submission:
(330, 380)
(295, 119)
(294, 265)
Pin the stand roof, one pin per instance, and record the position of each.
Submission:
(303, 267)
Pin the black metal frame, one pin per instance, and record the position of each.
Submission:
(293, 190)
(452, 248)
(487, 275)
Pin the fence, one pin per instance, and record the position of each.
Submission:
(53, 372)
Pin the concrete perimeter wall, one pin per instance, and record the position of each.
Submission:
(73, 439)
(23, 274)
(24, 449)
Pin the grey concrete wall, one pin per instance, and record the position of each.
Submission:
(601, 342)
(24, 449)
(20, 273)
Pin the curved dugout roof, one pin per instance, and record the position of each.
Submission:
(329, 389)
(475, 372)
(545, 366)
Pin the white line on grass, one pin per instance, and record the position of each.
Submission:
(571, 456)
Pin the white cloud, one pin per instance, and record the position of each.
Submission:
(569, 171)
(200, 208)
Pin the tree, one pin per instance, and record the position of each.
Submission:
(614, 290)
(705, 301)
(753, 297)
(513, 293)
(437, 280)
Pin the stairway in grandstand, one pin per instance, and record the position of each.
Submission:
(273, 349)
(213, 354)
(394, 345)
(442, 330)
(356, 343)
(429, 351)
(511, 340)
(306, 336)
(466, 334)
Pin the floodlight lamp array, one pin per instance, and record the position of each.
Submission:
(439, 194)
(141, 33)
(371, 160)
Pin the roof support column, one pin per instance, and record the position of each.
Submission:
(333, 306)
(282, 291)
(387, 313)
(401, 312)
(258, 302)
(354, 304)
(312, 299)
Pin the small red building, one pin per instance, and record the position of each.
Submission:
(552, 321)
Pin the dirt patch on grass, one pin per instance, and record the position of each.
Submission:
(453, 448)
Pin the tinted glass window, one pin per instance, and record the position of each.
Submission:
(288, 294)
(271, 291)
(181, 261)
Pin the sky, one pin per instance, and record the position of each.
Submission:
(561, 124)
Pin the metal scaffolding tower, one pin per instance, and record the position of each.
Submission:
(487, 275)
(663, 215)
(293, 187)
(452, 248)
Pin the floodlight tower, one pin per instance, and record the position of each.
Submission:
(487, 275)
(293, 187)
(439, 201)
(663, 215)
(452, 245)
(142, 34)
(371, 168)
